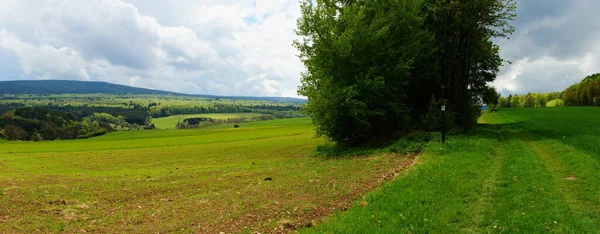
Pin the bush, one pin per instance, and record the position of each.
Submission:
(37, 137)
(411, 143)
(236, 126)
(14, 133)
(100, 132)
(2, 134)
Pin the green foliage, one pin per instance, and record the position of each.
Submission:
(503, 102)
(491, 97)
(372, 65)
(432, 120)
(15, 133)
(585, 93)
(142, 107)
(412, 143)
(555, 103)
(98, 132)
(515, 102)
(36, 136)
(468, 60)
(41, 123)
(360, 59)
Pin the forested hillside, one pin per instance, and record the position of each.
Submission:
(44, 87)
(584, 93)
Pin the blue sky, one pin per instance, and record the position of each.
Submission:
(244, 47)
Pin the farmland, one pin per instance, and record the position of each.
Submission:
(171, 121)
(262, 176)
(522, 171)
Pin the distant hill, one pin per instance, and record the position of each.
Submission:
(91, 87)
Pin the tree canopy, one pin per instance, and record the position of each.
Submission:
(372, 65)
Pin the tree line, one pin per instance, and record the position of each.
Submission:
(376, 68)
(42, 123)
(584, 93)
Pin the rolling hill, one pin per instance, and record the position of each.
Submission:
(41, 87)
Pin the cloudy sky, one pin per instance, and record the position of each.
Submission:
(243, 47)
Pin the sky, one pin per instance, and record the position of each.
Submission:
(244, 47)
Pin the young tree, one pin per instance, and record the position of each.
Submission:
(503, 102)
(515, 102)
(491, 97)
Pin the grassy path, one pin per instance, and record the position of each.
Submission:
(508, 177)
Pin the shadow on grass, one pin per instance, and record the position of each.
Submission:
(507, 131)
(409, 144)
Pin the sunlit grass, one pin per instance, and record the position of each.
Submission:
(531, 170)
(184, 181)
(171, 121)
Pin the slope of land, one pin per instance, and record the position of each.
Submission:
(259, 177)
(171, 121)
(94, 87)
(524, 171)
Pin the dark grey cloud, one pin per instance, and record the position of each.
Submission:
(554, 46)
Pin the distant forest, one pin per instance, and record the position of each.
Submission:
(584, 93)
(55, 115)
(48, 87)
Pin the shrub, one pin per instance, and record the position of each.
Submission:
(2, 134)
(236, 126)
(100, 132)
(14, 133)
(411, 143)
(37, 137)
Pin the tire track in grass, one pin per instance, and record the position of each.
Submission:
(577, 175)
(527, 198)
(489, 185)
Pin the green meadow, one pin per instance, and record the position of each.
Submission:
(263, 176)
(531, 170)
(171, 121)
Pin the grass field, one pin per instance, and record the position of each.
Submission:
(171, 121)
(533, 170)
(184, 181)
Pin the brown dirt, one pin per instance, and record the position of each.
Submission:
(257, 220)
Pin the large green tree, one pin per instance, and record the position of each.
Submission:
(360, 58)
(372, 65)
(468, 59)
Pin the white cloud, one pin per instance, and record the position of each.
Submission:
(243, 47)
(211, 47)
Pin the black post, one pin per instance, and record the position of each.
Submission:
(443, 117)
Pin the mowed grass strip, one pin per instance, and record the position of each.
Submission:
(528, 198)
(577, 174)
(256, 178)
(171, 121)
